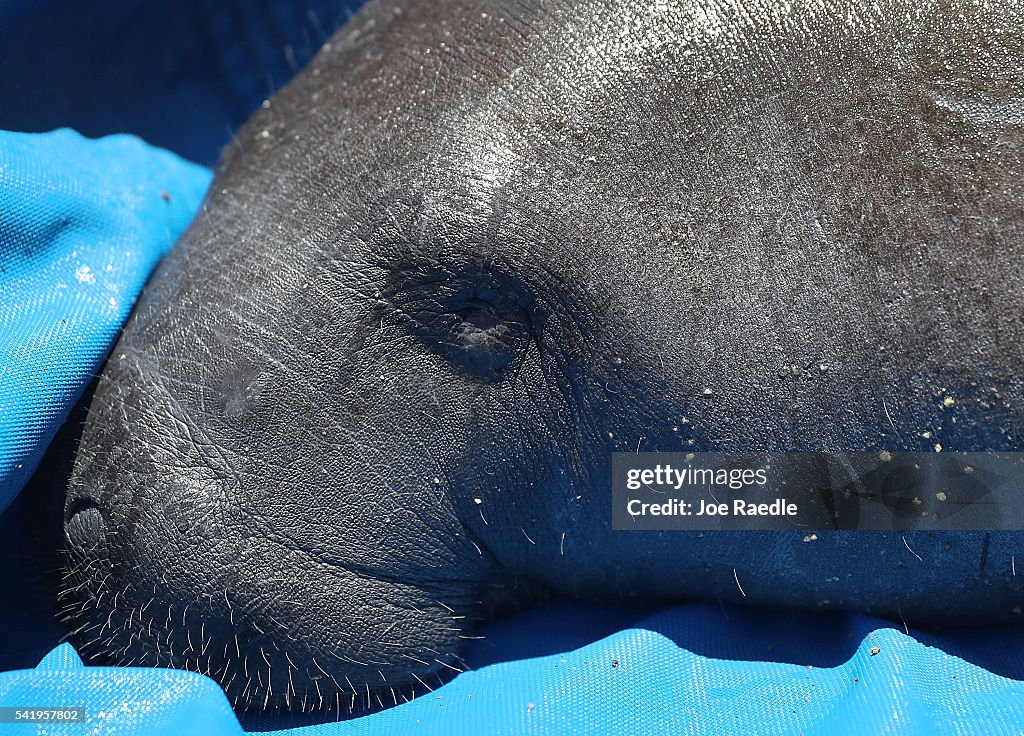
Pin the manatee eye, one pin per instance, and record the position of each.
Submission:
(476, 320)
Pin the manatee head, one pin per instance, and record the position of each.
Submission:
(473, 248)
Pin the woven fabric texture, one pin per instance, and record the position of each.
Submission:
(82, 224)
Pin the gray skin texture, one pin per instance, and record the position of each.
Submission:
(474, 248)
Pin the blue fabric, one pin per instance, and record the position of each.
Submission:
(693, 669)
(118, 701)
(82, 224)
(183, 75)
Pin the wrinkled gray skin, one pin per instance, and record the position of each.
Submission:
(474, 248)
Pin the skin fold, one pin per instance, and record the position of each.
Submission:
(476, 247)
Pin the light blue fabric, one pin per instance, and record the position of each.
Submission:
(836, 675)
(82, 224)
(118, 701)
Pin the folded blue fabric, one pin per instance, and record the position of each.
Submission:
(82, 224)
(115, 700)
(688, 670)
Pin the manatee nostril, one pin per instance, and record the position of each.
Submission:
(84, 523)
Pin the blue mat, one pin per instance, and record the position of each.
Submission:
(694, 669)
(82, 224)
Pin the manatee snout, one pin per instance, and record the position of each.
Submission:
(175, 560)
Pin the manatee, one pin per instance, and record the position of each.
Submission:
(474, 248)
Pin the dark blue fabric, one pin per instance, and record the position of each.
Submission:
(183, 74)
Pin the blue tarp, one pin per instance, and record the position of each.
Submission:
(694, 669)
(82, 223)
